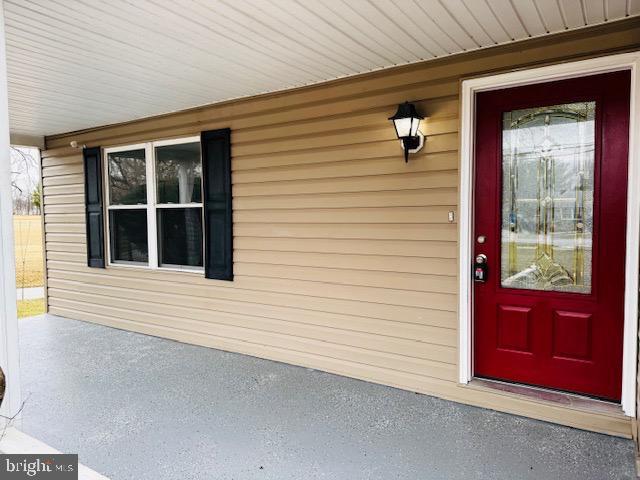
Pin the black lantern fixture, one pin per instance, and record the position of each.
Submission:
(407, 123)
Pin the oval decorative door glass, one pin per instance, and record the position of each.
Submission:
(547, 197)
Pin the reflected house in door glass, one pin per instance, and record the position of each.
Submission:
(547, 197)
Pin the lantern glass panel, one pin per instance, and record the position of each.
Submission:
(415, 123)
(403, 127)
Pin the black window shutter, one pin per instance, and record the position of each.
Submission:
(218, 219)
(94, 209)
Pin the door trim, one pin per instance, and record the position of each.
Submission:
(625, 61)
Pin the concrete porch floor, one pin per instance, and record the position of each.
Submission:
(139, 407)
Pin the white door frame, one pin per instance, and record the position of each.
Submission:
(470, 87)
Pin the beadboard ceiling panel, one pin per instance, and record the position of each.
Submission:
(75, 64)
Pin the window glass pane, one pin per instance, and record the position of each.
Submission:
(180, 236)
(128, 230)
(179, 173)
(547, 197)
(127, 178)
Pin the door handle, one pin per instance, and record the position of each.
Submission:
(480, 268)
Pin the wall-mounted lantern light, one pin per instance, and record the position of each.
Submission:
(407, 124)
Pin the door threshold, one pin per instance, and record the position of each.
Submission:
(555, 397)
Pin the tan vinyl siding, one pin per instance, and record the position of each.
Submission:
(344, 257)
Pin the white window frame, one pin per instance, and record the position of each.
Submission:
(469, 89)
(151, 206)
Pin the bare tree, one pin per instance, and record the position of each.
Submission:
(26, 195)
(24, 180)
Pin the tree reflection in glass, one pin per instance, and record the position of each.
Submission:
(127, 178)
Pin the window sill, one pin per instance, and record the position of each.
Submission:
(123, 266)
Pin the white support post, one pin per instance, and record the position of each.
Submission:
(9, 353)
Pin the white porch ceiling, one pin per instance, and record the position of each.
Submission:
(74, 64)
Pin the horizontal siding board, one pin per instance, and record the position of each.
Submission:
(403, 248)
(367, 278)
(64, 219)
(61, 180)
(378, 132)
(61, 160)
(382, 277)
(364, 231)
(388, 263)
(439, 111)
(66, 189)
(436, 283)
(422, 215)
(66, 237)
(76, 198)
(388, 148)
(394, 198)
(66, 168)
(65, 228)
(349, 168)
(421, 92)
(71, 257)
(66, 247)
(377, 183)
(390, 328)
(225, 343)
(359, 355)
(242, 326)
(192, 286)
(76, 208)
(408, 298)
(353, 136)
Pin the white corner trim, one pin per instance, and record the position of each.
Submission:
(625, 61)
(9, 353)
(14, 441)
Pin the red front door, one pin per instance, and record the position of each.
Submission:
(549, 214)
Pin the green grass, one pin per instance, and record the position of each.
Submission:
(27, 230)
(29, 308)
